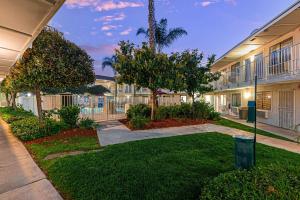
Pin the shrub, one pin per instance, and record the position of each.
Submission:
(87, 123)
(270, 182)
(138, 110)
(138, 122)
(69, 115)
(10, 114)
(31, 128)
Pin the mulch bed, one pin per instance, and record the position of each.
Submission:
(166, 123)
(65, 134)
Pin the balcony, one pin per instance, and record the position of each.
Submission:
(281, 65)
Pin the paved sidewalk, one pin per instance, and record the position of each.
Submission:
(114, 133)
(290, 134)
(20, 177)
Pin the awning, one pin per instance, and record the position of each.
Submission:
(20, 23)
(284, 23)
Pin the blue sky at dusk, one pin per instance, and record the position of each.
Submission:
(213, 26)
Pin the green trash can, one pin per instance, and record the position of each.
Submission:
(244, 152)
(251, 111)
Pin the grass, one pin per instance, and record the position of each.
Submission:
(232, 124)
(75, 143)
(164, 168)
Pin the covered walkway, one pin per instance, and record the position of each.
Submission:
(20, 177)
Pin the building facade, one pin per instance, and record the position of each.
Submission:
(272, 53)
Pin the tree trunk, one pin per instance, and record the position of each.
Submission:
(13, 100)
(7, 99)
(151, 23)
(153, 105)
(38, 102)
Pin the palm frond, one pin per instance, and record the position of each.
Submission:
(174, 34)
(143, 31)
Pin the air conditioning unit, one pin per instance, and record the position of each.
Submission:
(262, 114)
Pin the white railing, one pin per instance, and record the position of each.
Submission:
(280, 65)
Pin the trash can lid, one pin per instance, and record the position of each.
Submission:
(243, 137)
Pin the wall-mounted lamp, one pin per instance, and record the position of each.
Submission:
(247, 95)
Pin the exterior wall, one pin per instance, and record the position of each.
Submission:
(282, 82)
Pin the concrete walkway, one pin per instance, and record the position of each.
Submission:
(290, 134)
(114, 133)
(20, 177)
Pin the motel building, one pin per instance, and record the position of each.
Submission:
(272, 52)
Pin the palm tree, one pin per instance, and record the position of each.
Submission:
(163, 36)
(111, 62)
(151, 24)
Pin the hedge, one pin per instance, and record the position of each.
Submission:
(270, 182)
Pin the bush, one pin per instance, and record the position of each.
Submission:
(142, 110)
(271, 182)
(69, 115)
(87, 123)
(10, 114)
(31, 128)
(138, 122)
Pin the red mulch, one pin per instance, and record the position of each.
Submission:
(166, 123)
(65, 134)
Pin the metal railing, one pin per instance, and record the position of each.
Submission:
(279, 65)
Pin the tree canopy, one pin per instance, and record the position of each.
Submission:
(54, 62)
(164, 37)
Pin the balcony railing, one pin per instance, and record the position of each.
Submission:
(280, 65)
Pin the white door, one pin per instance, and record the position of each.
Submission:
(286, 109)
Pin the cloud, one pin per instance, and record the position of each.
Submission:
(109, 27)
(206, 3)
(126, 32)
(109, 34)
(103, 5)
(101, 50)
(109, 18)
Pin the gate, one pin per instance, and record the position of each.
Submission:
(286, 109)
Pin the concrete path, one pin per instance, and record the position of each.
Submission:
(114, 132)
(290, 134)
(20, 177)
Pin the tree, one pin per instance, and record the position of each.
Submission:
(144, 68)
(195, 77)
(92, 90)
(111, 62)
(163, 36)
(54, 62)
(151, 24)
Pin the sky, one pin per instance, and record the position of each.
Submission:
(213, 26)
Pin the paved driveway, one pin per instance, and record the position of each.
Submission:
(20, 177)
(113, 132)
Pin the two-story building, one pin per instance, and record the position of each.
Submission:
(272, 53)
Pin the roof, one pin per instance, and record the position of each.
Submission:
(282, 24)
(20, 23)
(108, 78)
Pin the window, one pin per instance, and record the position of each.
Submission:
(235, 72)
(259, 66)
(247, 70)
(263, 100)
(280, 57)
(236, 100)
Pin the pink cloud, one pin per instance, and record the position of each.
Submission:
(100, 5)
(126, 32)
(109, 27)
(109, 18)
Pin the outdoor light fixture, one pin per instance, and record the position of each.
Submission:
(247, 95)
(29, 94)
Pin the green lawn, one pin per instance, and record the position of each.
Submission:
(232, 124)
(75, 143)
(164, 168)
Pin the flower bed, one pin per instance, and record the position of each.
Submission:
(166, 123)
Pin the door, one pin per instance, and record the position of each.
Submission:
(286, 109)
(259, 66)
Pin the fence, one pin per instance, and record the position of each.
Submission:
(98, 108)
